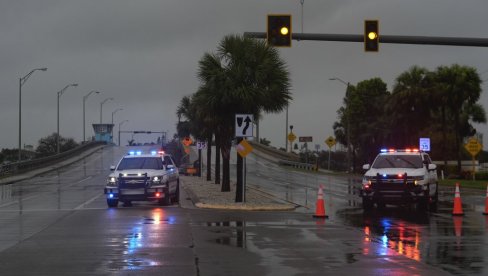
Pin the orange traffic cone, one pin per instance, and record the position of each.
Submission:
(458, 206)
(320, 205)
(486, 202)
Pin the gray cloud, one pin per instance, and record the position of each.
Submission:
(145, 54)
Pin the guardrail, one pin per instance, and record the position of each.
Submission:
(275, 152)
(298, 165)
(23, 166)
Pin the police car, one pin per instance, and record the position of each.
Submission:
(143, 177)
(400, 177)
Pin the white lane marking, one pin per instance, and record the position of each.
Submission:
(17, 201)
(72, 184)
(87, 202)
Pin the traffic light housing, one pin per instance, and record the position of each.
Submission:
(279, 30)
(371, 36)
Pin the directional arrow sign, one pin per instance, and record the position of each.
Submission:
(244, 126)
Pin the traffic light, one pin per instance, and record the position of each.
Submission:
(371, 36)
(279, 30)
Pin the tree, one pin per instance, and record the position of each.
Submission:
(47, 145)
(363, 113)
(243, 76)
(458, 88)
(410, 107)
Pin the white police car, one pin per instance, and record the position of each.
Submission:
(400, 177)
(143, 177)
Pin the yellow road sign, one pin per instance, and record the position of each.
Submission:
(473, 146)
(291, 137)
(330, 141)
(244, 148)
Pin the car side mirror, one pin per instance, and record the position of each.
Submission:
(366, 167)
(112, 168)
(170, 167)
(432, 167)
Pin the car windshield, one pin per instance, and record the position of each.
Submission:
(398, 161)
(150, 163)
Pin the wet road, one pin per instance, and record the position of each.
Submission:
(58, 224)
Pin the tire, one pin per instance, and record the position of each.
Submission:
(434, 200)
(423, 204)
(166, 200)
(367, 204)
(177, 192)
(112, 202)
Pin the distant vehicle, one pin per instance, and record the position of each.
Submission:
(400, 177)
(143, 177)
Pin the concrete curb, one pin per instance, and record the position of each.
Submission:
(250, 205)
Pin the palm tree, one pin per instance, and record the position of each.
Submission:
(459, 88)
(243, 76)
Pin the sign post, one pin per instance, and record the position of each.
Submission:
(473, 147)
(244, 128)
(330, 141)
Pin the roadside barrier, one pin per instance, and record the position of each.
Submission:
(458, 206)
(298, 165)
(320, 205)
(486, 202)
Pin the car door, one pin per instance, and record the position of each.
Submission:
(171, 174)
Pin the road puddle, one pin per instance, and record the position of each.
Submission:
(234, 231)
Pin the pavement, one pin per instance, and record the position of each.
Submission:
(201, 193)
(36, 172)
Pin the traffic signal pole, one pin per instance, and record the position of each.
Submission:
(393, 39)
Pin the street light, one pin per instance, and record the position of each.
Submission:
(115, 111)
(348, 134)
(84, 100)
(59, 95)
(101, 107)
(120, 124)
(21, 82)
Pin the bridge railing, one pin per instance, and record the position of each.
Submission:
(24, 166)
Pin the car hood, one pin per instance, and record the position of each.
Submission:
(409, 171)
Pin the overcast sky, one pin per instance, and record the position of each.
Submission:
(144, 54)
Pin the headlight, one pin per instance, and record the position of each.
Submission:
(112, 181)
(157, 179)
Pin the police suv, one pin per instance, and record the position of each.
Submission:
(143, 177)
(400, 177)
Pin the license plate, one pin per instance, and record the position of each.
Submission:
(132, 191)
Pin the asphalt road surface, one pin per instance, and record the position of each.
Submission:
(58, 224)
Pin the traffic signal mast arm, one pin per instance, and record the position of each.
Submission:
(393, 39)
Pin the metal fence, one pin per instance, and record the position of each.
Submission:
(23, 166)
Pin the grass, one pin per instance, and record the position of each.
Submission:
(475, 184)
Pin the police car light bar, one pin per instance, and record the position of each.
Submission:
(401, 150)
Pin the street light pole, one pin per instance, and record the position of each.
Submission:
(84, 100)
(115, 111)
(21, 82)
(59, 95)
(101, 107)
(348, 134)
(120, 124)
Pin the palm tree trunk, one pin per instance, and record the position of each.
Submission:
(209, 158)
(458, 143)
(217, 159)
(444, 137)
(225, 149)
